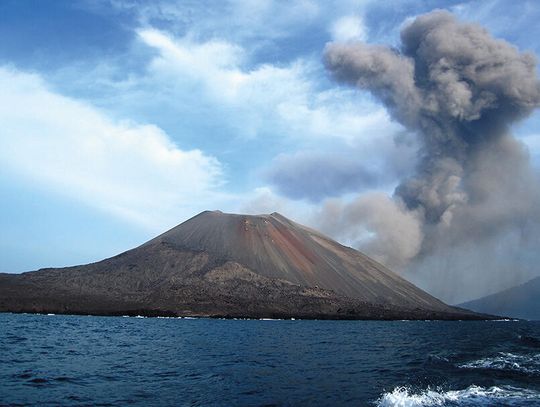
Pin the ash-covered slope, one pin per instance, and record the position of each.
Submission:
(277, 248)
(218, 264)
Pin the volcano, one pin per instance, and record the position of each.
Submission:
(232, 266)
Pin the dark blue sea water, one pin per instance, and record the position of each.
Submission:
(78, 360)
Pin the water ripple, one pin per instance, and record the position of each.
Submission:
(115, 361)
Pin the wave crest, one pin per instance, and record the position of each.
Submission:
(528, 364)
(471, 396)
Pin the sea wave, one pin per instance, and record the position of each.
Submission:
(527, 364)
(469, 397)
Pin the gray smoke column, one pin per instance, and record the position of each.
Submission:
(460, 90)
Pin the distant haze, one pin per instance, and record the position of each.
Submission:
(517, 302)
(467, 221)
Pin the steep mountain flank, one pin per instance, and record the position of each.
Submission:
(522, 301)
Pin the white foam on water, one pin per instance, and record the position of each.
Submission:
(471, 396)
(529, 364)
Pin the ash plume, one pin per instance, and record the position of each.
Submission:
(459, 90)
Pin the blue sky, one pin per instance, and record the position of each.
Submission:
(121, 119)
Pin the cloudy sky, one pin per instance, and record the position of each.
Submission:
(120, 119)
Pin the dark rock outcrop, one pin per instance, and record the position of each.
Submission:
(225, 265)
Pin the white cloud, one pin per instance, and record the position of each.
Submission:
(245, 19)
(216, 66)
(131, 170)
(349, 28)
(285, 99)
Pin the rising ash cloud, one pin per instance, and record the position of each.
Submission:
(460, 90)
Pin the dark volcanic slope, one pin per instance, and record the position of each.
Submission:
(522, 301)
(277, 248)
(218, 264)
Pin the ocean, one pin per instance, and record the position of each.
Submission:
(117, 361)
